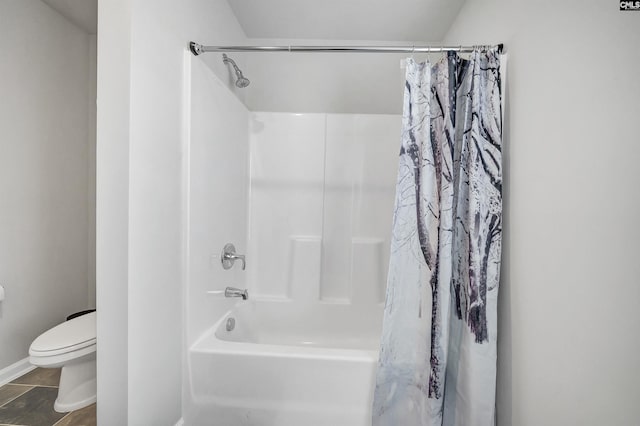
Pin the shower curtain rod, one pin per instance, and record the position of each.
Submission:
(198, 49)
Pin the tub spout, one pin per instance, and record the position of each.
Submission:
(236, 292)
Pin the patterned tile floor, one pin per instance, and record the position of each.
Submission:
(28, 401)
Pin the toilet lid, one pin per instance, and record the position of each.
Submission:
(74, 334)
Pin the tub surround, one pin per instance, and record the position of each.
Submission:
(321, 204)
(316, 191)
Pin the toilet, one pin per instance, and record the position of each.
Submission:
(72, 346)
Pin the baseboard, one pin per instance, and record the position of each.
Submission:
(180, 422)
(15, 370)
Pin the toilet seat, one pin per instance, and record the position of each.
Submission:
(70, 336)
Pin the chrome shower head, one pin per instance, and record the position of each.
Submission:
(241, 80)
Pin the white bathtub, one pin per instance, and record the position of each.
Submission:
(285, 364)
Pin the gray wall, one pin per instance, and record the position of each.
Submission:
(45, 141)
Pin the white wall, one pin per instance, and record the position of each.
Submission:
(568, 339)
(112, 208)
(322, 194)
(44, 148)
(141, 44)
(360, 83)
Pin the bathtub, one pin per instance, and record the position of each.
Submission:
(286, 363)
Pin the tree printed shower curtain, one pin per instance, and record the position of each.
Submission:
(437, 361)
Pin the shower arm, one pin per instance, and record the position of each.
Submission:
(228, 60)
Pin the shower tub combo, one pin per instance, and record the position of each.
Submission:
(288, 363)
(309, 198)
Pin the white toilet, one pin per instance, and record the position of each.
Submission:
(72, 346)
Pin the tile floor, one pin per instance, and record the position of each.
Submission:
(28, 401)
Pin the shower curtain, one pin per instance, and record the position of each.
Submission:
(437, 361)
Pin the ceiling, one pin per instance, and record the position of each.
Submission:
(382, 20)
(376, 20)
(83, 13)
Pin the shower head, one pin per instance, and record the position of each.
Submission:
(241, 80)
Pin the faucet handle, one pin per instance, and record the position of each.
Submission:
(229, 256)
